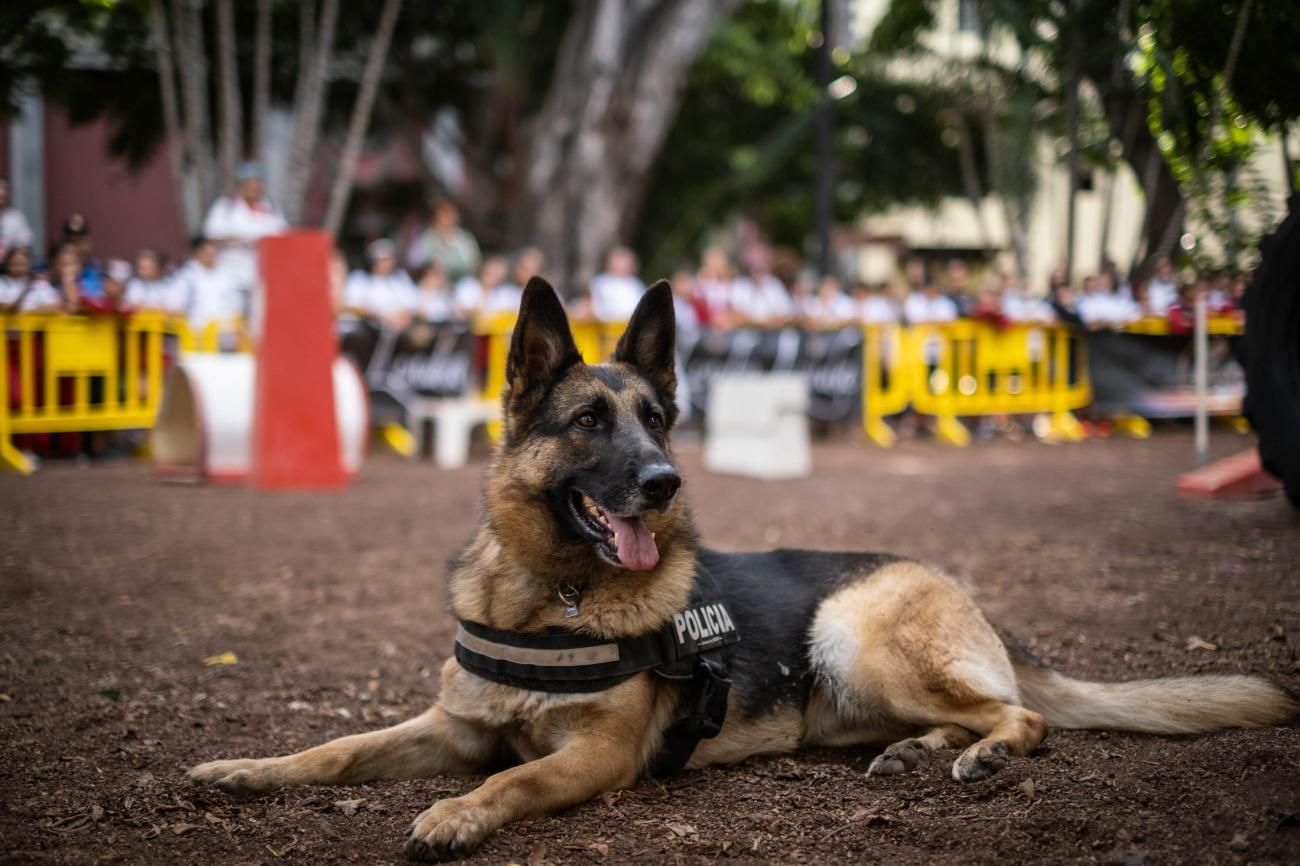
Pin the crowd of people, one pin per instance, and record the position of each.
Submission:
(442, 275)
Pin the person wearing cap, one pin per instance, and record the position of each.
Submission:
(236, 223)
(113, 298)
(76, 234)
(384, 293)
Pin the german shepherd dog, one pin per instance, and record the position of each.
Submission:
(584, 532)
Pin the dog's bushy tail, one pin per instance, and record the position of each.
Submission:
(1174, 705)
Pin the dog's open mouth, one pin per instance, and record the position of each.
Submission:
(619, 540)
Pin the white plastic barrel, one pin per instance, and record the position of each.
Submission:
(204, 428)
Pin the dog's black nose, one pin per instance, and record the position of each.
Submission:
(659, 483)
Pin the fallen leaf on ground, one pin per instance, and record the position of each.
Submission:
(1195, 643)
(600, 848)
(182, 829)
(226, 658)
(537, 857)
(1028, 787)
(348, 807)
(96, 813)
(682, 830)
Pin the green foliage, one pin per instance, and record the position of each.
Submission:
(742, 141)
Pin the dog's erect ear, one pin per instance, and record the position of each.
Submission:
(650, 341)
(541, 349)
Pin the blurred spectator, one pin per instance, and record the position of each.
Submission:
(433, 298)
(1219, 297)
(14, 230)
(148, 289)
(714, 283)
(20, 290)
(1162, 288)
(1182, 315)
(760, 298)
(1102, 307)
(830, 307)
(206, 292)
(446, 244)
(1066, 305)
(690, 310)
(385, 291)
(76, 234)
(488, 292)
(113, 297)
(875, 304)
(929, 305)
(616, 291)
(236, 223)
(957, 284)
(1019, 306)
(986, 306)
(66, 277)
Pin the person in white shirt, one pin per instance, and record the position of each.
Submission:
(761, 299)
(1101, 307)
(1019, 306)
(488, 292)
(21, 291)
(14, 230)
(149, 288)
(1162, 289)
(616, 291)
(208, 295)
(385, 292)
(875, 305)
(236, 223)
(433, 297)
(928, 306)
(829, 306)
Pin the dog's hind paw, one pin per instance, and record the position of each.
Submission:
(447, 830)
(241, 778)
(902, 757)
(980, 761)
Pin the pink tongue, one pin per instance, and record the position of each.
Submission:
(636, 547)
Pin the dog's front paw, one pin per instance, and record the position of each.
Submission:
(242, 777)
(980, 761)
(447, 830)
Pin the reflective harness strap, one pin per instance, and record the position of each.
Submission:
(694, 648)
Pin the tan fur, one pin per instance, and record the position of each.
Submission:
(903, 659)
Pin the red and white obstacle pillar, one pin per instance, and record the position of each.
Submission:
(294, 415)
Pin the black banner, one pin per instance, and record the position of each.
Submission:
(832, 360)
(1153, 376)
(427, 359)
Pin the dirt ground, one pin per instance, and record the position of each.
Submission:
(116, 589)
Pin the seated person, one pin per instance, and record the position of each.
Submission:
(21, 291)
(875, 304)
(830, 307)
(385, 293)
(433, 299)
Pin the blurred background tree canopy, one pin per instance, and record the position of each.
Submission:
(580, 124)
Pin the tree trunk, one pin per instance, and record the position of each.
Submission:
(188, 21)
(231, 143)
(261, 78)
(616, 86)
(189, 207)
(970, 180)
(307, 110)
(360, 120)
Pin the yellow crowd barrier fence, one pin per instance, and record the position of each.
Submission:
(82, 374)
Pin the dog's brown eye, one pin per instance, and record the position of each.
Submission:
(586, 421)
(655, 420)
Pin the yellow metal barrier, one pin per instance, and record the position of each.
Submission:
(1217, 325)
(595, 341)
(223, 335)
(886, 379)
(969, 368)
(74, 374)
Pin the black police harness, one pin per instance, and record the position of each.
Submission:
(693, 648)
